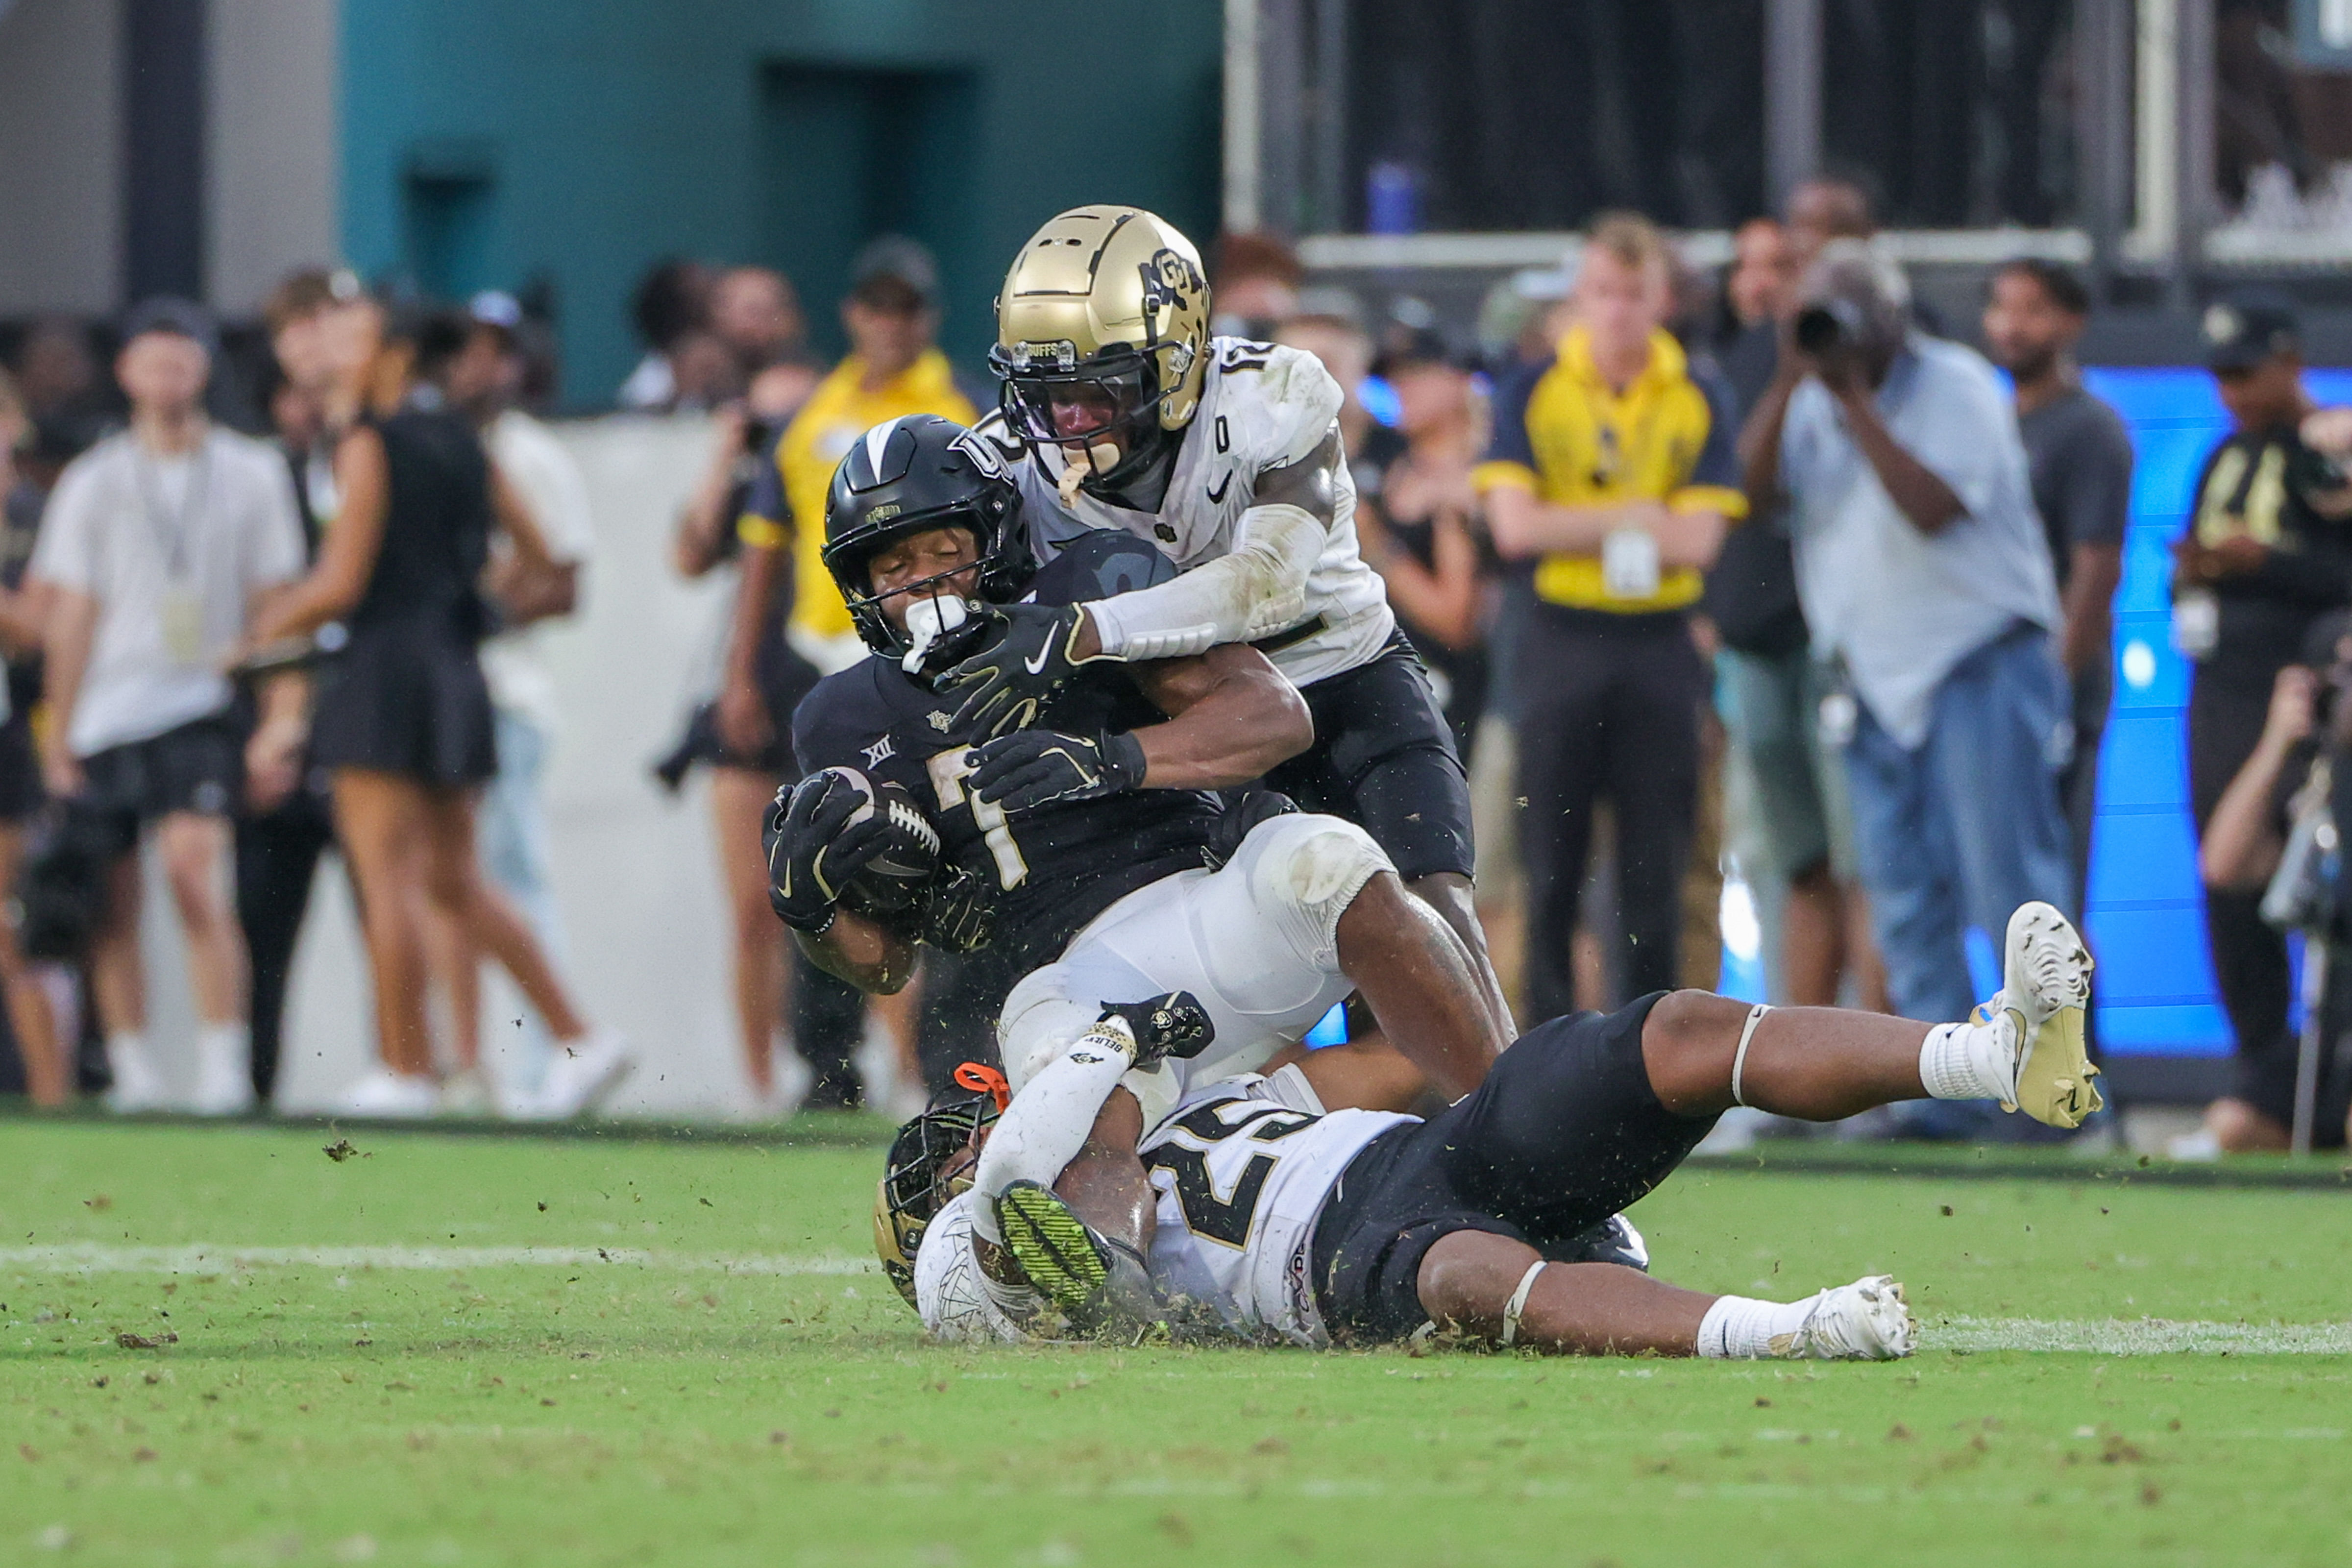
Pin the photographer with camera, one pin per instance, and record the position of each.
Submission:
(2272, 838)
(2267, 553)
(1924, 571)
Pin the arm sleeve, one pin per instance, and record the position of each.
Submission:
(1254, 590)
(67, 550)
(1047, 1124)
(1510, 456)
(767, 520)
(1715, 480)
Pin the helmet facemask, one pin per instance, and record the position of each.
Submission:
(939, 613)
(1107, 412)
(913, 1190)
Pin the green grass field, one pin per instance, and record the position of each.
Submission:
(476, 1350)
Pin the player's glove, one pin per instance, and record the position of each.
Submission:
(1031, 768)
(813, 849)
(1004, 685)
(959, 914)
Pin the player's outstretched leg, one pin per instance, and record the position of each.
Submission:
(1505, 1292)
(1422, 984)
(2023, 1048)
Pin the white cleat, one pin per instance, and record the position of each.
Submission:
(583, 1073)
(1866, 1321)
(2046, 990)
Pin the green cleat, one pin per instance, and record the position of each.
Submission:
(1061, 1257)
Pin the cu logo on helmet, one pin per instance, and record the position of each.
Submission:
(1170, 280)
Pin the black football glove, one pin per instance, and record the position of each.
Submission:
(1175, 1024)
(959, 914)
(1031, 768)
(813, 849)
(1003, 685)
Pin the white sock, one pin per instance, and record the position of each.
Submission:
(1742, 1328)
(1047, 1122)
(1968, 1061)
(127, 1045)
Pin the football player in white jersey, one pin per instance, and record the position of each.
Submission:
(1120, 411)
(1274, 1221)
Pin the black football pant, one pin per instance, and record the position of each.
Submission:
(1608, 706)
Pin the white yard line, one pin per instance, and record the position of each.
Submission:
(203, 1257)
(2143, 1336)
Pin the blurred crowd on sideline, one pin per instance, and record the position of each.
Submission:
(1761, 572)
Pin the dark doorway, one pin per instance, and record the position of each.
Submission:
(448, 212)
(847, 153)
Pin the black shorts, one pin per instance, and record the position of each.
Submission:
(406, 697)
(1383, 758)
(21, 794)
(198, 767)
(1565, 1133)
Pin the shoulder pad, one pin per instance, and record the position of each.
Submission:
(1280, 401)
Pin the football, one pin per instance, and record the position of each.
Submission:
(894, 880)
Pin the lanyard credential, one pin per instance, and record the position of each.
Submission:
(174, 535)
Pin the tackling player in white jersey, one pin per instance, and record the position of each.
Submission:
(1120, 411)
(1276, 1222)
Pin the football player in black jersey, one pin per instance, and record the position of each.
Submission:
(1085, 857)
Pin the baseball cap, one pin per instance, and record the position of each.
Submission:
(1404, 347)
(166, 314)
(2245, 329)
(496, 308)
(894, 259)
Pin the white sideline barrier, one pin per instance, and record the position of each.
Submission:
(636, 883)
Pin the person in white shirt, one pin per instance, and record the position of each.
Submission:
(484, 381)
(156, 545)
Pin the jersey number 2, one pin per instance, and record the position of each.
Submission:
(947, 771)
(1225, 1220)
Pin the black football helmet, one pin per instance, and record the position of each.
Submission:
(907, 477)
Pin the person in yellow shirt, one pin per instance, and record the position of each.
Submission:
(1612, 477)
(894, 368)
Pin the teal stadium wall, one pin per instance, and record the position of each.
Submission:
(486, 141)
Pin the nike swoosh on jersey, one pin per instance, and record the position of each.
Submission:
(1217, 493)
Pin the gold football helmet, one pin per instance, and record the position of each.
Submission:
(912, 1190)
(1102, 338)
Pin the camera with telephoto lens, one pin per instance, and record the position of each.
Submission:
(2308, 892)
(1828, 325)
